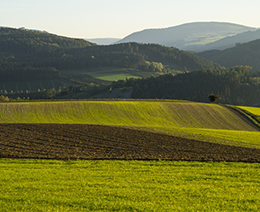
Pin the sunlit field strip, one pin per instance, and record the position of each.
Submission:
(253, 110)
(113, 77)
(40, 185)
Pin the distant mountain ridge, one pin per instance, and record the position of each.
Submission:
(231, 41)
(190, 36)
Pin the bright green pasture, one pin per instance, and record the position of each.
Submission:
(207, 122)
(113, 76)
(253, 110)
(40, 185)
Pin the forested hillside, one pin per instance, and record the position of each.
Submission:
(233, 86)
(37, 43)
(143, 56)
(30, 55)
(27, 55)
(241, 54)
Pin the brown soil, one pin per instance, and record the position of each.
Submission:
(95, 142)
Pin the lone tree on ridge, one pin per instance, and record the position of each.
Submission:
(213, 97)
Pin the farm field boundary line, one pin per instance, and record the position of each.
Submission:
(245, 139)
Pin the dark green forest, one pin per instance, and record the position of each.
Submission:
(236, 85)
(242, 54)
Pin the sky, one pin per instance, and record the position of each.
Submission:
(119, 18)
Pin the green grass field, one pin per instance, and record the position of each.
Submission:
(207, 122)
(106, 74)
(113, 77)
(40, 185)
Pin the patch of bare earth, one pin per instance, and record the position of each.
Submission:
(97, 142)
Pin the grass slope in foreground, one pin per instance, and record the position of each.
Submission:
(39, 185)
(207, 122)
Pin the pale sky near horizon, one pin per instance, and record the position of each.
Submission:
(119, 18)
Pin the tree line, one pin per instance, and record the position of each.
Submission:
(237, 85)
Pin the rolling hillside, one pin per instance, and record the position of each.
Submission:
(236, 86)
(128, 113)
(190, 36)
(36, 43)
(204, 122)
(242, 54)
(232, 41)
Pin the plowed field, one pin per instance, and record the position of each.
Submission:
(77, 141)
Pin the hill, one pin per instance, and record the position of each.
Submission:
(36, 43)
(190, 36)
(129, 113)
(146, 57)
(232, 41)
(28, 55)
(241, 54)
(198, 121)
(237, 86)
(32, 60)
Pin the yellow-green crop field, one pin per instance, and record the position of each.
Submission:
(206, 122)
(253, 110)
(48, 185)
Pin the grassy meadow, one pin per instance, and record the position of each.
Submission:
(40, 185)
(113, 77)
